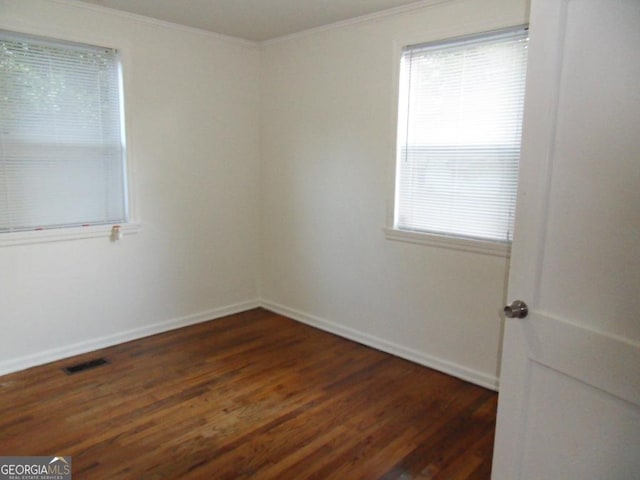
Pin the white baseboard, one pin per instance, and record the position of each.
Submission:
(55, 354)
(445, 366)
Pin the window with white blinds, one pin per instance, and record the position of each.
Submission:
(459, 129)
(62, 155)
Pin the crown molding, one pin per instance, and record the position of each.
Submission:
(158, 23)
(249, 43)
(356, 20)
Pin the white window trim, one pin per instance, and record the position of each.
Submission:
(133, 225)
(70, 233)
(498, 249)
(391, 232)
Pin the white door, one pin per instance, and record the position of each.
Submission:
(569, 403)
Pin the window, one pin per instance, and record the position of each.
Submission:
(459, 129)
(62, 155)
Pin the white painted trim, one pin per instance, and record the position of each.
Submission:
(356, 20)
(62, 234)
(440, 364)
(453, 243)
(601, 359)
(22, 363)
(249, 43)
(158, 23)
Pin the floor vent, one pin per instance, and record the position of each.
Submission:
(81, 367)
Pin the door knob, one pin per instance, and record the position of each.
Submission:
(517, 309)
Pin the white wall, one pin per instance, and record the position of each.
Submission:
(328, 145)
(252, 164)
(192, 103)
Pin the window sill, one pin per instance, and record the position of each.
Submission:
(453, 243)
(62, 234)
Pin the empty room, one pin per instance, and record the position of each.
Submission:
(320, 239)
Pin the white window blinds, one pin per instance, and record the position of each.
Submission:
(459, 129)
(61, 138)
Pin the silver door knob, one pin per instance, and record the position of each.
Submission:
(517, 309)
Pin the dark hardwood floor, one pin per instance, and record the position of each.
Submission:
(253, 395)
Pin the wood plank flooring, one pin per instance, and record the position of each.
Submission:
(253, 395)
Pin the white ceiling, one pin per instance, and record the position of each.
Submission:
(255, 20)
